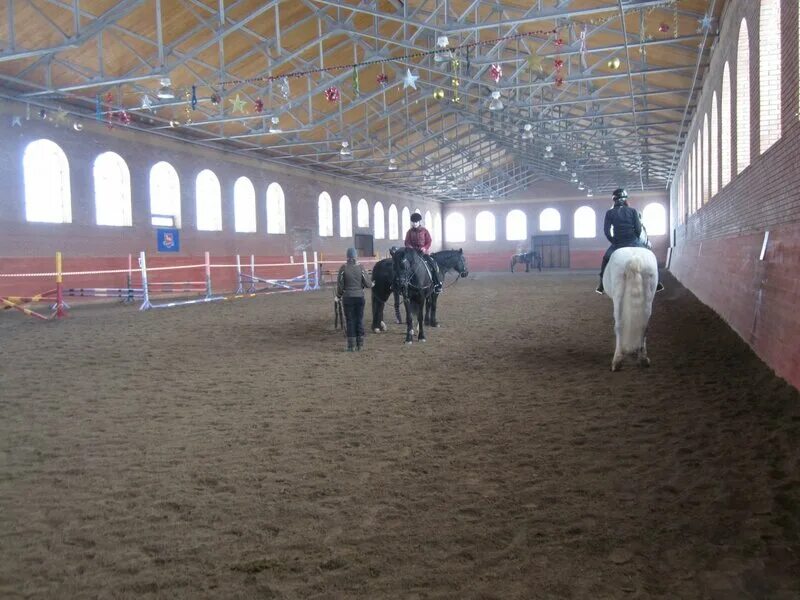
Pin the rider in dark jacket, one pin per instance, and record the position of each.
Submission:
(627, 227)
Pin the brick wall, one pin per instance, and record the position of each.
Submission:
(717, 246)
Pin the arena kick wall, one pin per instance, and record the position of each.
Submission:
(83, 238)
(717, 249)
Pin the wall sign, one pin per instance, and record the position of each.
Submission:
(168, 240)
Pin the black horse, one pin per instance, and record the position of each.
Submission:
(527, 258)
(414, 282)
(383, 276)
(447, 260)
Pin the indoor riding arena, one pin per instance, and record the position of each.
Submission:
(198, 195)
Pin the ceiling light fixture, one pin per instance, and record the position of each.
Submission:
(345, 151)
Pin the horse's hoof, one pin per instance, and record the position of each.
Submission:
(376, 330)
(617, 366)
(644, 362)
(423, 340)
(383, 326)
(399, 322)
(409, 342)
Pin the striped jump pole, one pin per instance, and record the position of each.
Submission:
(316, 271)
(252, 287)
(208, 274)
(22, 309)
(240, 282)
(305, 272)
(60, 312)
(145, 292)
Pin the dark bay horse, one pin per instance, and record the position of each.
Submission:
(447, 260)
(414, 283)
(383, 276)
(527, 258)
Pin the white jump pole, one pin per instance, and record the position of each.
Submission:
(305, 271)
(145, 292)
(239, 287)
(252, 274)
(316, 271)
(208, 274)
(130, 279)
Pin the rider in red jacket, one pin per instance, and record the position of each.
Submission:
(418, 238)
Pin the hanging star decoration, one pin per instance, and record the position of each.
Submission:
(496, 72)
(705, 23)
(238, 104)
(410, 80)
(16, 121)
(332, 94)
(147, 102)
(382, 80)
(259, 105)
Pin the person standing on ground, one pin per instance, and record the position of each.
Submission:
(350, 285)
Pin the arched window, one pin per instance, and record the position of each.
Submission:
(112, 190)
(689, 179)
(437, 228)
(406, 221)
(378, 220)
(585, 222)
(345, 217)
(516, 225)
(455, 228)
(362, 212)
(702, 171)
(484, 227)
(705, 135)
(209, 201)
(394, 226)
(654, 218)
(743, 99)
(725, 125)
(244, 206)
(325, 215)
(714, 147)
(47, 191)
(428, 222)
(276, 209)
(769, 63)
(165, 195)
(550, 220)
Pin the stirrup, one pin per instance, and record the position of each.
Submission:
(437, 288)
(659, 287)
(599, 290)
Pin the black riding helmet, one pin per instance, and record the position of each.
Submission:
(416, 217)
(620, 197)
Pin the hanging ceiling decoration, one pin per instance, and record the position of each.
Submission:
(478, 98)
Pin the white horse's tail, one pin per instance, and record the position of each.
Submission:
(634, 309)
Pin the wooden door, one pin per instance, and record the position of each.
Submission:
(553, 248)
(364, 245)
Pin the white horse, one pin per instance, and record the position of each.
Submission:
(630, 279)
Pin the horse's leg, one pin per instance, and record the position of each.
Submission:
(512, 265)
(409, 323)
(616, 362)
(528, 266)
(434, 303)
(397, 316)
(428, 311)
(643, 360)
(420, 319)
(377, 313)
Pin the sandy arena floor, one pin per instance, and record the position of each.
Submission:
(235, 451)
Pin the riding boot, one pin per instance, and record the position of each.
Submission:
(599, 289)
(359, 343)
(659, 287)
(437, 285)
(351, 342)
